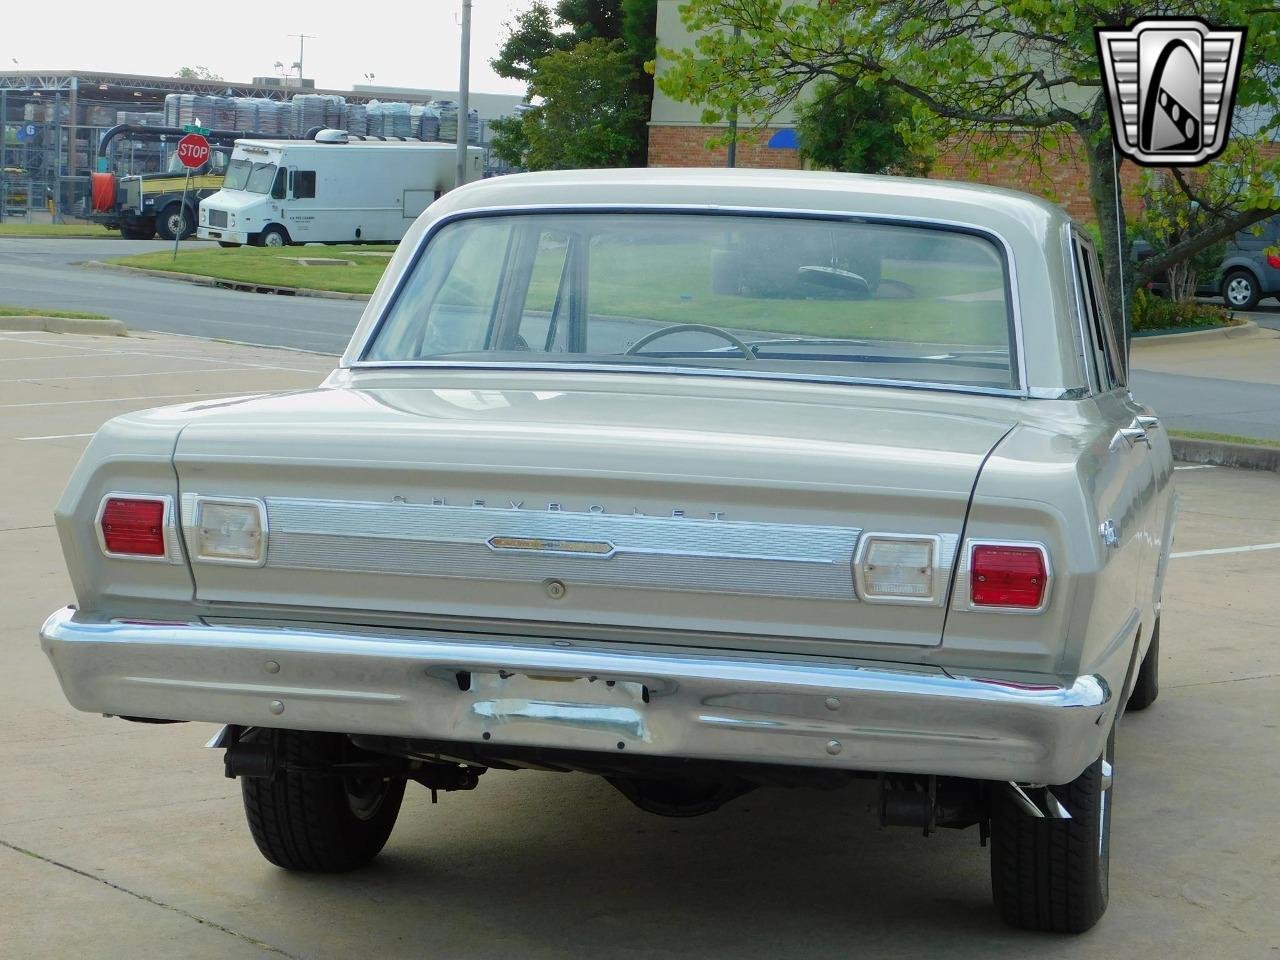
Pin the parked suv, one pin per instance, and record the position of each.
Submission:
(1250, 268)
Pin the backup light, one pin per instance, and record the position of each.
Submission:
(230, 531)
(1013, 576)
(897, 568)
(133, 526)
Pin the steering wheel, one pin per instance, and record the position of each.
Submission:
(648, 338)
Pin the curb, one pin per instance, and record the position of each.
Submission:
(241, 285)
(93, 328)
(1246, 329)
(1221, 454)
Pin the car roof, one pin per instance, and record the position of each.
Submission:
(818, 191)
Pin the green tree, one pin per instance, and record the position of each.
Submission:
(197, 73)
(588, 113)
(860, 130)
(1167, 219)
(640, 28)
(532, 35)
(542, 30)
(1015, 78)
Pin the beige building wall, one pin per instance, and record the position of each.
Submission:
(677, 135)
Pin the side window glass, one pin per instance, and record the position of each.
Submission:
(1114, 341)
(1102, 359)
(304, 184)
(277, 188)
(545, 320)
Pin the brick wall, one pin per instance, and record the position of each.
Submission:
(685, 146)
(1061, 177)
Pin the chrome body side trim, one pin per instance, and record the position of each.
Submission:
(172, 545)
(355, 355)
(703, 704)
(672, 553)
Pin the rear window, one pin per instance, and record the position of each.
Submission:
(693, 292)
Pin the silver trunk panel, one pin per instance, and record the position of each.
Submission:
(618, 550)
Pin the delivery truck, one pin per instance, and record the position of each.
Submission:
(332, 189)
(162, 202)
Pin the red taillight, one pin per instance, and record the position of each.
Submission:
(1273, 260)
(133, 527)
(1007, 576)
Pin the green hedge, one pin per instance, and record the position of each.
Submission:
(1160, 313)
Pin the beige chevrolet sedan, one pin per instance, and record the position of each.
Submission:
(695, 480)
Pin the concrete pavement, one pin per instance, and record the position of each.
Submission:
(121, 840)
(1220, 385)
(42, 273)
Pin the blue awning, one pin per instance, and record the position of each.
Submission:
(784, 139)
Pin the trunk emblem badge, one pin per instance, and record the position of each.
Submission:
(600, 549)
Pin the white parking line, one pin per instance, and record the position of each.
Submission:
(1221, 550)
(56, 436)
(122, 376)
(1197, 466)
(151, 396)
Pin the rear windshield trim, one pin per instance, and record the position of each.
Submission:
(998, 241)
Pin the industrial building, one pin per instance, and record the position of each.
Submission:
(51, 124)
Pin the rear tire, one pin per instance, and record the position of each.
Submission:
(1241, 290)
(315, 823)
(1147, 687)
(1052, 875)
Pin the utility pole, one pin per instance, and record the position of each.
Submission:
(464, 73)
(302, 42)
(732, 153)
(4, 163)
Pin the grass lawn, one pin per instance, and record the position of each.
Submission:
(271, 266)
(6, 311)
(59, 230)
(1223, 438)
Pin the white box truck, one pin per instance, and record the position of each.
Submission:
(334, 189)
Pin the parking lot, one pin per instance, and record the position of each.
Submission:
(125, 840)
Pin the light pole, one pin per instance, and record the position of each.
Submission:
(463, 84)
(732, 153)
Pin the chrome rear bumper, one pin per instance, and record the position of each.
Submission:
(706, 705)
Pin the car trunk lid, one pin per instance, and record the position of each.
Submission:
(614, 506)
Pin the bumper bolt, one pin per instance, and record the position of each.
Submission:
(277, 707)
(833, 747)
(272, 667)
(833, 703)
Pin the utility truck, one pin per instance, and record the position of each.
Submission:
(333, 189)
(158, 203)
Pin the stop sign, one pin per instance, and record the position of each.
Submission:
(193, 150)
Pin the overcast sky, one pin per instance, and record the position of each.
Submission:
(403, 44)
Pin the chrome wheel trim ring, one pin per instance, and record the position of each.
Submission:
(1239, 290)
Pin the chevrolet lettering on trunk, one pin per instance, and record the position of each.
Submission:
(696, 480)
